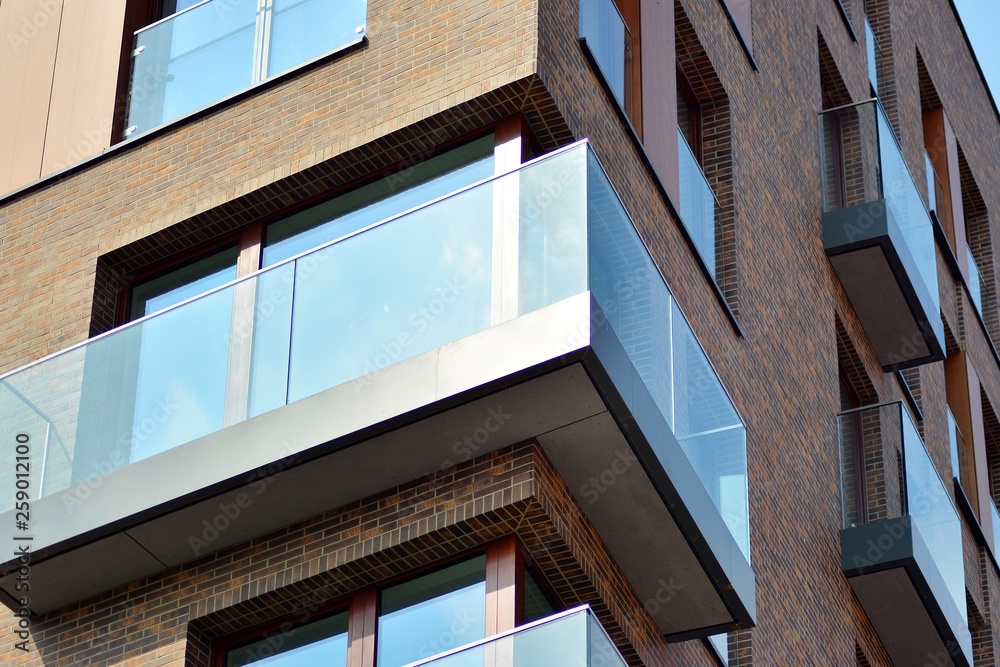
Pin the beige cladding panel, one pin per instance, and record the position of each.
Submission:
(86, 78)
(29, 34)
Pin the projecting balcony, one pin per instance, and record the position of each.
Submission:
(218, 48)
(525, 305)
(573, 637)
(902, 540)
(879, 237)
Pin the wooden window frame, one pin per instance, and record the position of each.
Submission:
(506, 572)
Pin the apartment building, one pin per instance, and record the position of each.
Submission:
(507, 332)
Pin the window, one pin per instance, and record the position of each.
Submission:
(432, 614)
(410, 619)
(322, 643)
(539, 602)
(387, 196)
(379, 200)
(171, 7)
(609, 31)
(169, 289)
(689, 116)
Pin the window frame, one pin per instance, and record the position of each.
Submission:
(507, 566)
(514, 143)
(687, 96)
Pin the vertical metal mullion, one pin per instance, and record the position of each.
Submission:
(45, 457)
(262, 40)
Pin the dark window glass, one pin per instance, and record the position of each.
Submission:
(689, 115)
(432, 614)
(322, 642)
(183, 283)
(537, 601)
(396, 192)
(170, 7)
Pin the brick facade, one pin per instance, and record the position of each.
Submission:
(434, 71)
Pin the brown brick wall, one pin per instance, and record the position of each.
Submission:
(343, 118)
(171, 618)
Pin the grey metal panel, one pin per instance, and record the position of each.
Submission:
(889, 323)
(406, 422)
(896, 612)
(870, 254)
(303, 429)
(78, 574)
(848, 229)
(609, 483)
(873, 552)
(675, 479)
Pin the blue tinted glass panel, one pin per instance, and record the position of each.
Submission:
(322, 642)
(302, 30)
(398, 191)
(181, 284)
(432, 614)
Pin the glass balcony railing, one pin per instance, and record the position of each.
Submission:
(217, 48)
(995, 515)
(935, 195)
(608, 39)
(574, 637)
(956, 442)
(700, 211)
(886, 473)
(976, 281)
(874, 54)
(347, 309)
(862, 163)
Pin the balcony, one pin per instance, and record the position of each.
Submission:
(218, 48)
(879, 237)
(531, 292)
(574, 637)
(902, 540)
(700, 211)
